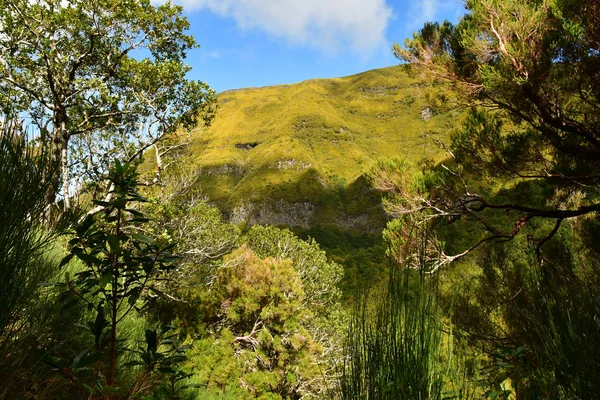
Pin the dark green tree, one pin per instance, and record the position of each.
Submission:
(523, 168)
(530, 71)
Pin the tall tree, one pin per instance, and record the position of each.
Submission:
(530, 69)
(99, 79)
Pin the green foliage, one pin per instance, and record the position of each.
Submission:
(319, 276)
(549, 139)
(121, 266)
(268, 312)
(552, 318)
(24, 181)
(524, 161)
(361, 254)
(71, 67)
(264, 321)
(397, 348)
(201, 235)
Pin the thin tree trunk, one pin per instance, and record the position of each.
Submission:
(114, 310)
(64, 163)
(113, 335)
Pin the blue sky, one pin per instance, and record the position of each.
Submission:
(246, 43)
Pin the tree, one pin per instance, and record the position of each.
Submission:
(523, 162)
(122, 267)
(530, 71)
(99, 80)
(258, 306)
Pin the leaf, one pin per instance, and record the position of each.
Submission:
(106, 279)
(119, 203)
(158, 292)
(135, 213)
(134, 295)
(99, 324)
(139, 219)
(79, 356)
(88, 259)
(177, 359)
(133, 363)
(66, 260)
(141, 238)
(85, 225)
(114, 243)
(151, 340)
(101, 203)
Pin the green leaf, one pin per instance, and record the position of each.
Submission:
(66, 260)
(158, 292)
(141, 238)
(139, 219)
(151, 340)
(119, 203)
(106, 279)
(85, 225)
(134, 295)
(89, 259)
(79, 356)
(99, 324)
(101, 203)
(114, 243)
(133, 363)
(135, 213)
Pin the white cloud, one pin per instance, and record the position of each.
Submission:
(325, 24)
(429, 9)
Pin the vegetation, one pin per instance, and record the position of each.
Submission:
(22, 239)
(313, 142)
(438, 221)
(69, 69)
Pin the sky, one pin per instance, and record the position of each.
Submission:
(253, 43)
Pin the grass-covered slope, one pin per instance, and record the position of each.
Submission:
(297, 154)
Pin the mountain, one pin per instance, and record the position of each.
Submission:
(298, 155)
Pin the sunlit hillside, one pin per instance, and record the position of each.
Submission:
(293, 154)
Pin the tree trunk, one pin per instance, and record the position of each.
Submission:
(64, 171)
(60, 139)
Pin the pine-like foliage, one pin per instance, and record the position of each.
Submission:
(25, 180)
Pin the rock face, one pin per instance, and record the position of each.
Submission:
(297, 215)
(275, 212)
(292, 164)
(225, 170)
(426, 114)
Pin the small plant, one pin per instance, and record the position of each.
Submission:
(121, 265)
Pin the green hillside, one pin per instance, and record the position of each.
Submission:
(295, 154)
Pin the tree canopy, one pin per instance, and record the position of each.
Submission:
(98, 80)
(529, 70)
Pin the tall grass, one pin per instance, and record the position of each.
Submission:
(25, 181)
(26, 257)
(400, 343)
(395, 345)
